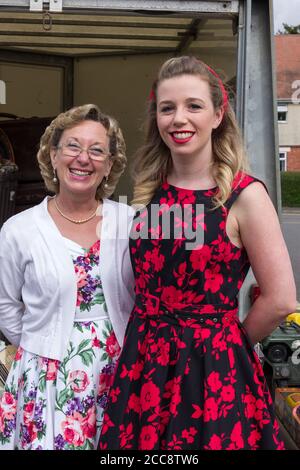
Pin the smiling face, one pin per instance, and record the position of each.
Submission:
(186, 116)
(81, 174)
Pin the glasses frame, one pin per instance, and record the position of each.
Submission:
(62, 147)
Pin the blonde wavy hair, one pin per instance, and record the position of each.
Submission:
(153, 160)
(69, 119)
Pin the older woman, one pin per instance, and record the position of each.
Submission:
(66, 288)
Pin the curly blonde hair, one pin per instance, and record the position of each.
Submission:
(69, 119)
(153, 160)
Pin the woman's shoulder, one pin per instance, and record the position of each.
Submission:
(22, 223)
(245, 187)
(248, 189)
(243, 180)
(19, 220)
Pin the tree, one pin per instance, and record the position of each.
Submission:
(289, 29)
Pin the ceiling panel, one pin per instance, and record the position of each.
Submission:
(106, 33)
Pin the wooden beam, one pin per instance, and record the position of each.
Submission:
(83, 32)
(96, 20)
(190, 35)
(39, 41)
(83, 53)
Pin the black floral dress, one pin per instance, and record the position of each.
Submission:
(188, 377)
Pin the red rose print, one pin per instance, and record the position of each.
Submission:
(213, 279)
(200, 257)
(213, 381)
(148, 437)
(112, 346)
(228, 393)
(210, 410)
(150, 396)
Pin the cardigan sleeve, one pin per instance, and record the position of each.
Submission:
(127, 275)
(127, 281)
(11, 282)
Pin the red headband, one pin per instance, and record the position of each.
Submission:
(224, 92)
(151, 95)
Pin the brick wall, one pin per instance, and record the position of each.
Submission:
(287, 53)
(293, 159)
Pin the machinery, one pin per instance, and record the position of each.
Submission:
(282, 351)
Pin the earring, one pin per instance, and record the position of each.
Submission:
(54, 179)
(105, 184)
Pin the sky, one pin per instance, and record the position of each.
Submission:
(286, 11)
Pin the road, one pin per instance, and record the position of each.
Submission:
(291, 231)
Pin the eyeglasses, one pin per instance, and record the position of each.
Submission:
(72, 149)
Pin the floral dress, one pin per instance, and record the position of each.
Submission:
(188, 376)
(51, 404)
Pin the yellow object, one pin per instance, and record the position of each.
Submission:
(293, 399)
(295, 317)
(296, 413)
(286, 409)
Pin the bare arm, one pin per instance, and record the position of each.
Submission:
(260, 233)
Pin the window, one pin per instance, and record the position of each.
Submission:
(282, 113)
(282, 161)
(282, 116)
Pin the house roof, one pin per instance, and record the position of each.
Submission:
(287, 50)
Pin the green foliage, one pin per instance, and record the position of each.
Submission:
(65, 395)
(290, 188)
(289, 29)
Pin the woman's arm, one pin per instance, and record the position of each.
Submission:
(261, 235)
(11, 281)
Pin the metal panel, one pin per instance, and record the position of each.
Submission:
(15, 3)
(55, 5)
(255, 90)
(256, 106)
(145, 5)
(244, 32)
(261, 112)
(36, 5)
(157, 5)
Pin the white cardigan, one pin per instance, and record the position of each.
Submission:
(38, 284)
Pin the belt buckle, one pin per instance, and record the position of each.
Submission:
(152, 304)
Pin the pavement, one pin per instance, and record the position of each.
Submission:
(291, 210)
(290, 220)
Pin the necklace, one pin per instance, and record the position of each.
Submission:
(74, 221)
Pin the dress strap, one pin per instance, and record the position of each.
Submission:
(240, 182)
